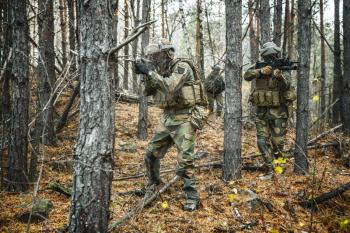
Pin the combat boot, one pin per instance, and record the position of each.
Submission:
(152, 165)
(191, 194)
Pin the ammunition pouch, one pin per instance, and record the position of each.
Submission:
(265, 98)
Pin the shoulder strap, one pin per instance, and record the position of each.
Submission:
(190, 63)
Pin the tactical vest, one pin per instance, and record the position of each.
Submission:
(190, 94)
(266, 93)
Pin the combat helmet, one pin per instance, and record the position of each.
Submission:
(216, 67)
(160, 46)
(269, 48)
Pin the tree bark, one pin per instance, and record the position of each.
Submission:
(183, 24)
(18, 139)
(346, 61)
(337, 70)
(211, 43)
(302, 114)
(162, 6)
(265, 21)
(46, 71)
(323, 61)
(143, 105)
(199, 39)
(233, 95)
(126, 48)
(277, 22)
(94, 153)
(63, 19)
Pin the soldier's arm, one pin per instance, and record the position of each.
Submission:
(284, 82)
(175, 81)
(251, 74)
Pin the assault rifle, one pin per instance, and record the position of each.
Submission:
(280, 63)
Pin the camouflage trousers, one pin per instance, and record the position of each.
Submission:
(271, 127)
(174, 129)
(219, 98)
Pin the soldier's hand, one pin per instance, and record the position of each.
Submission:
(267, 70)
(142, 68)
(278, 74)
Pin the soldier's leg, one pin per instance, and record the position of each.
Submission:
(184, 138)
(278, 133)
(262, 134)
(157, 147)
(219, 104)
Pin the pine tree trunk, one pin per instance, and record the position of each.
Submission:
(63, 19)
(277, 22)
(18, 140)
(199, 39)
(143, 105)
(46, 71)
(72, 31)
(94, 153)
(265, 21)
(233, 95)
(126, 48)
(183, 24)
(286, 28)
(211, 44)
(323, 61)
(302, 114)
(346, 61)
(337, 70)
(162, 7)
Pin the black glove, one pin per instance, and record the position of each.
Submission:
(141, 67)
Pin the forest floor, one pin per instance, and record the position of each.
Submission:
(223, 207)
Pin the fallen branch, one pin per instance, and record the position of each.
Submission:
(325, 196)
(64, 118)
(214, 164)
(134, 34)
(324, 113)
(60, 189)
(318, 137)
(144, 202)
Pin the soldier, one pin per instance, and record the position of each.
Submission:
(271, 96)
(176, 88)
(215, 85)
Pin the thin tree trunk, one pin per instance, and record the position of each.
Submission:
(286, 28)
(94, 153)
(63, 19)
(183, 24)
(72, 31)
(346, 61)
(277, 22)
(254, 50)
(135, 44)
(265, 21)
(126, 48)
(18, 140)
(46, 71)
(291, 30)
(199, 38)
(337, 70)
(323, 61)
(304, 47)
(162, 6)
(211, 43)
(143, 105)
(233, 95)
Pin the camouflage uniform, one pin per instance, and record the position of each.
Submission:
(178, 124)
(211, 83)
(271, 121)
